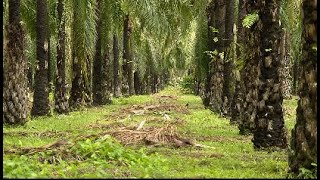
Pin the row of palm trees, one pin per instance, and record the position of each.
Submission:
(237, 68)
(247, 77)
(84, 33)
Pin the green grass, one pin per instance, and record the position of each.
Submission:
(230, 156)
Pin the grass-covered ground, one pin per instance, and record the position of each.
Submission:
(227, 155)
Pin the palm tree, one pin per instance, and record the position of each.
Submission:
(97, 65)
(83, 38)
(116, 67)
(269, 130)
(285, 67)
(303, 147)
(41, 91)
(15, 66)
(106, 43)
(201, 59)
(127, 60)
(61, 101)
(228, 84)
(249, 40)
(106, 86)
(216, 29)
(137, 83)
(238, 97)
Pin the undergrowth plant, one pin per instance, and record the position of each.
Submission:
(102, 152)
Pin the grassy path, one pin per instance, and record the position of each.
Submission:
(103, 156)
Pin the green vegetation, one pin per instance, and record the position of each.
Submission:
(229, 154)
(250, 19)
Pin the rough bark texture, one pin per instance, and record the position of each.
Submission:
(270, 129)
(61, 101)
(216, 15)
(15, 95)
(147, 80)
(242, 11)
(130, 67)
(50, 68)
(41, 90)
(248, 109)
(79, 94)
(228, 85)
(237, 100)
(116, 67)
(285, 68)
(250, 41)
(137, 83)
(30, 77)
(304, 135)
(238, 97)
(97, 65)
(155, 83)
(106, 78)
(206, 94)
(127, 60)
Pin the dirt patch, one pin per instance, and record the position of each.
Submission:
(147, 110)
(216, 155)
(162, 98)
(225, 139)
(106, 126)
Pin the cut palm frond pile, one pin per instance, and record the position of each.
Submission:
(166, 135)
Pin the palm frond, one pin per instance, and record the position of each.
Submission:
(28, 16)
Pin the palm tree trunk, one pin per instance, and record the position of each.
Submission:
(216, 29)
(249, 40)
(285, 67)
(228, 85)
(106, 78)
(15, 95)
(116, 67)
(137, 83)
(30, 77)
(248, 108)
(41, 91)
(61, 101)
(148, 80)
(242, 11)
(237, 100)
(130, 67)
(97, 66)
(127, 61)
(88, 81)
(50, 68)
(304, 152)
(270, 129)
(83, 38)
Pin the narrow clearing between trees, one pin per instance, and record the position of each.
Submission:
(168, 134)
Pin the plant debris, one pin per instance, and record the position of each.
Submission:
(147, 109)
(38, 134)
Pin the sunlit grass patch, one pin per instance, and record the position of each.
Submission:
(136, 99)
